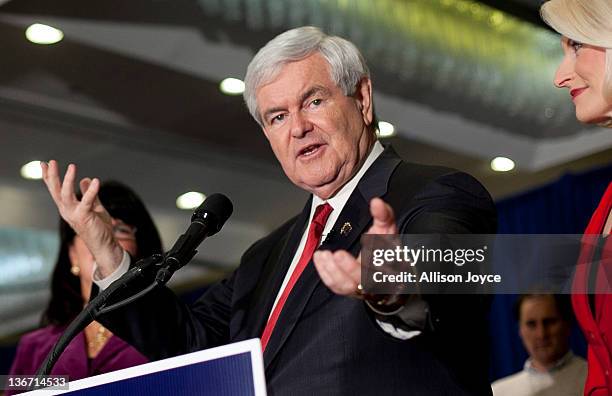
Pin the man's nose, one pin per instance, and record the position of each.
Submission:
(541, 331)
(300, 125)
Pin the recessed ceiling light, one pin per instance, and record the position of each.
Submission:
(385, 129)
(190, 200)
(232, 86)
(43, 34)
(31, 170)
(502, 164)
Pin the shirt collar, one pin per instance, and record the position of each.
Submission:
(557, 366)
(337, 201)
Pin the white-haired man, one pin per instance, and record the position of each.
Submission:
(312, 96)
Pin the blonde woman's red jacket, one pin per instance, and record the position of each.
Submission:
(596, 323)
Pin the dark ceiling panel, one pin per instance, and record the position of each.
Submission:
(182, 12)
(148, 95)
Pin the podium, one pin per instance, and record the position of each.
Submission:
(233, 369)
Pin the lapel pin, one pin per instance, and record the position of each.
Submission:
(346, 229)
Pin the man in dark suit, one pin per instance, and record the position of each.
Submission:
(312, 95)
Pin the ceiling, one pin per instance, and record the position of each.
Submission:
(132, 94)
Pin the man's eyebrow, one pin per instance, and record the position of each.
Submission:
(310, 92)
(271, 111)
(314, 90)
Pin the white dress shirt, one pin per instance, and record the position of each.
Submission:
(337, 202)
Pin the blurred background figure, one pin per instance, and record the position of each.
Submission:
(586, 72)
(552, 369)
(95, 350)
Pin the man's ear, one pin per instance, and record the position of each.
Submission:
(363, 95)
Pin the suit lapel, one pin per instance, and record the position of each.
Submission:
(273, 274)
(356, 213)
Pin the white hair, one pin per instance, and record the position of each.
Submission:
(347, 65)
(584, 21)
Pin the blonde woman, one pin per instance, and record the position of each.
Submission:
(586, 72)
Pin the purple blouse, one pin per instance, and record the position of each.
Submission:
(34, 347)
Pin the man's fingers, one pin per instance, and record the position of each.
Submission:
(348, 265)
(90, 192)
(51, 179)
(97, 206)
(383, 218)
(321, 259)
(84, 184)
(381, 212)
(44, 167)
(67, 191)
(331, 269)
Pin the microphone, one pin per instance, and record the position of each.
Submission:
(207, 220)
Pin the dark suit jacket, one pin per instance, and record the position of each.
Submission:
(328, 344)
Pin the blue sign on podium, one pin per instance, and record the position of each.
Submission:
(233, 369)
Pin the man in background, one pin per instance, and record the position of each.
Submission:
(552, 369)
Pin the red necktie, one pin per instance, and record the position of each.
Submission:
(312, 242)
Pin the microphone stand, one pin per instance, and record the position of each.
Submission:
(97, 306)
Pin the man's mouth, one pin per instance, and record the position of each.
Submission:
(309, 150)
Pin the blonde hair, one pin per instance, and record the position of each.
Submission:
(584, 21)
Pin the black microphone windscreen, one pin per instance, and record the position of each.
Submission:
(217, 205)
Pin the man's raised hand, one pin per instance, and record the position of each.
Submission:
(87, 216)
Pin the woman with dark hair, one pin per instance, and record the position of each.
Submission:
(95, 350)
(586, 72)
